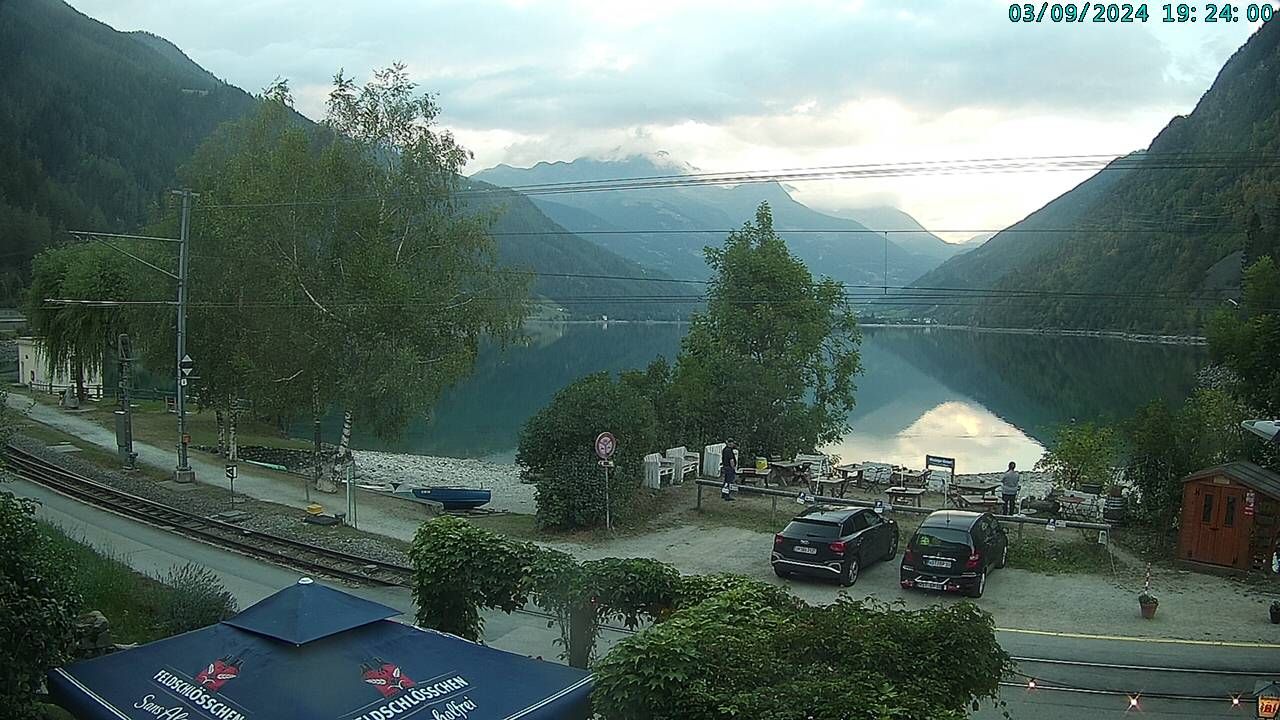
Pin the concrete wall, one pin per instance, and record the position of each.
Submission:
(33, 371)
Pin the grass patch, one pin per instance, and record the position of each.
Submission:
(1036, 552)
(133, 602)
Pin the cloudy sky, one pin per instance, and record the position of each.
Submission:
(737, 84)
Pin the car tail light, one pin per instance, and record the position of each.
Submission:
(837, 546)
(974, 558)
(777, 539)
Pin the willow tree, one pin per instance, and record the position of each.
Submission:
(355, 278)
(772, 360)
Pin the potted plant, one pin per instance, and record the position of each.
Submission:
(1148, 603)
(1275, 611)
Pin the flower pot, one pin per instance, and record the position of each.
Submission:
(1275, 613)
(1148, 609)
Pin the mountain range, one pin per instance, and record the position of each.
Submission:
(97, 122)
(1155, 241)
(666, 228)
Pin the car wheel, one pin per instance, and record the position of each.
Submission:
(849, 573)
(893, 548)
(1004, 556)
(780, 572)
(976, 590)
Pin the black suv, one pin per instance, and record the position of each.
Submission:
(953, 550)
(834, 543)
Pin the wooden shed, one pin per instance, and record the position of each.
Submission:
(1230, 517)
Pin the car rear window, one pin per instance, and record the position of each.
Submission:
(812, 528)
(927, 538)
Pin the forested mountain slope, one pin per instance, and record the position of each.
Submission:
(95, 124)
(1207, 187)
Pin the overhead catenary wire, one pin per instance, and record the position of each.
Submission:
(1049, 163)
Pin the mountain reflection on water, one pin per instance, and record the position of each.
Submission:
(983, 398)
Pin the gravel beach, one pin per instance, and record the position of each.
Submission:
(503, 480)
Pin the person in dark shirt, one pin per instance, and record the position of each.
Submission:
(728, 466)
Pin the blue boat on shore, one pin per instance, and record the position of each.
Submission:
(448, 498)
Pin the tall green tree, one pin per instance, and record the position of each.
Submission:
(80, 336)
(351, 274)
(1082, 454)
(772, 360)
(1248, 341)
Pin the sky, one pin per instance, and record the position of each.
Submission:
(735, 85)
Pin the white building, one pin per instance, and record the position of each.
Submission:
(33, 371)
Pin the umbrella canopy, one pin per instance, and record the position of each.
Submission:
(310, 652)
(1265, 429)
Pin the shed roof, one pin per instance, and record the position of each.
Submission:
(1245, 473)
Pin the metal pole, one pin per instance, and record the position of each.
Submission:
(608, 524)
(183, 473)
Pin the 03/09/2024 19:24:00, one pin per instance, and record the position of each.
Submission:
(1090, 12)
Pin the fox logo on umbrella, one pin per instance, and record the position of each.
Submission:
(385, 676)
(217, 673)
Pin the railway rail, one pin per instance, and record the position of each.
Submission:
(255, 543)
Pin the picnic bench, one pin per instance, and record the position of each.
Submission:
(982, 502)
(854, 472)
(656, 467)
(834, 486)
(974, 494)
(752, 475)
(905, 495)
(906, 477)
(683, 463)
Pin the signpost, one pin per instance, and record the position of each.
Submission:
(606, 444)
(183, 473)
(232, 472)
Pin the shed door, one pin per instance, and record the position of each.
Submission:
(1219, 516)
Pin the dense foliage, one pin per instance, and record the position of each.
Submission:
(718, 642)
(557, 447)
(771, 361)
(1248, 342)
(95, 123)
(459, 569)
(1082, 454)
(742, 654)
(1169, 220)
(38, 606)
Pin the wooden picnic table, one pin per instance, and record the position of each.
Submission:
(986, 502)
(906, 477)
(975, 488)
(839, 484)
(753, 475)
(904, 495)
(789, 472)
(851, 471)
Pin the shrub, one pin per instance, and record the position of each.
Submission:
(197, 599)
(38, 605)
(557, 449)
(736, 654)
(459, 568)
(1082, 454)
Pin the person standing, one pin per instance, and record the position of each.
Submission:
(1010, 484)
(729, 466)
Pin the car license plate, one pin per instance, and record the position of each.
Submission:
(934, 562)
(806, 550)
(929, 585)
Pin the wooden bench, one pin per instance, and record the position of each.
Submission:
(682, 462)
(985, 502)
(656, 468)
(904, 495)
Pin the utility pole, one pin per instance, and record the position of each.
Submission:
(124, 422)
(183, 472)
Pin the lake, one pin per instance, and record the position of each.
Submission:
(982, 398)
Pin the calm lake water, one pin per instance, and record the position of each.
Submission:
(982, 398)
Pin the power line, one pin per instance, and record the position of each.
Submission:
(1050, 163)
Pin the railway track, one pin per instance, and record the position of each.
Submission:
(255, 543)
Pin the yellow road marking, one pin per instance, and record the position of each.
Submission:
(1165, 641)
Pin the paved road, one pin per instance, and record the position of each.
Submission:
(151, 550)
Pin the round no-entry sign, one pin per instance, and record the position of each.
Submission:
(605, 445)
